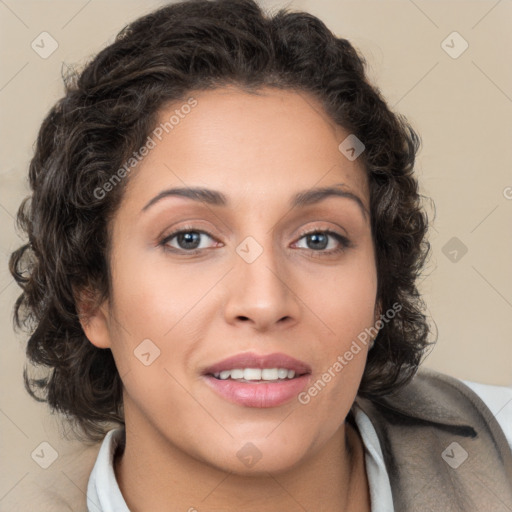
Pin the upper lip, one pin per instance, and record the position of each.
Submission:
(252, 360)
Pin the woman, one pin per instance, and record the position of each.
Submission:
(224, 238)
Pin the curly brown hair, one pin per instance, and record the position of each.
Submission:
(107, 112)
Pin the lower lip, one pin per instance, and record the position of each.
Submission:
(258, 394)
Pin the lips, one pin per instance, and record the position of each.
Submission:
(251, 360)
(258, 393)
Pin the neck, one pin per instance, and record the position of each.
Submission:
(155, 475)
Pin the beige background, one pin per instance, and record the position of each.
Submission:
(462, 107)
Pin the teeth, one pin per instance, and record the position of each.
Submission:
(237, 374)
(255, 374)
(252, 374)
(269, 374)
(282, 373)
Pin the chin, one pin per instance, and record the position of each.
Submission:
(258, 455)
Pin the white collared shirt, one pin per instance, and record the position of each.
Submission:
(104, 495)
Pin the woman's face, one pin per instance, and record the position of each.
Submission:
(243, 280)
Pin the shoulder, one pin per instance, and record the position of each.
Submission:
(446, 403)
(499, 401)
(439, 430)
(431, 393)
(493, 403)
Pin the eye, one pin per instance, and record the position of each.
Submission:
(192, 240)
(320, 240)
(186, 239)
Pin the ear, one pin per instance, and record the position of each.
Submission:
(93, 317)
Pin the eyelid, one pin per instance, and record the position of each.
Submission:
(322, 229)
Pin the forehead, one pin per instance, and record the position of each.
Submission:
(261, 145)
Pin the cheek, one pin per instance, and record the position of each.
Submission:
(344, 299)
(152, 296)
(161, 310)
(342, 349)
(151, 338)
(345, 308)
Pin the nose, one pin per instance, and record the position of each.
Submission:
(261, 292)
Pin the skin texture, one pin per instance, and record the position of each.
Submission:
(182, 438)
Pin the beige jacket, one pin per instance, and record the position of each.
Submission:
(443, 448)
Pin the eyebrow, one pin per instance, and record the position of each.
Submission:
(300, 199)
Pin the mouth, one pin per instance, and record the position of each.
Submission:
(251, 380)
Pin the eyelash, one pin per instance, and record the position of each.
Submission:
(344, 242)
